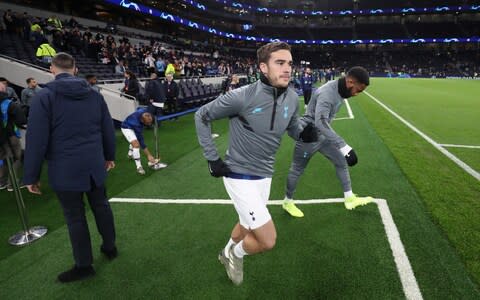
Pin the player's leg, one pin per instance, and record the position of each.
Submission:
(343, 175)
(301, 156)
(130, 136)
(255, 227)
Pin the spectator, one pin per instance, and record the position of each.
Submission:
(92, 82)
(12, 116)
(155, 93)
(45, 53)
(132, 87)
(120, 68)
(11, 94)
(235, 83)
(171, 93)
(160, 65)
(31, 90)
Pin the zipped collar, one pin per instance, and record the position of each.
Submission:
(277, 92)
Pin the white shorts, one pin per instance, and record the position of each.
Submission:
(129, 134)
(250, 200)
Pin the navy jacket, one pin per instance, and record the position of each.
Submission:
(69, 126)
(134, 122)
(307, 82)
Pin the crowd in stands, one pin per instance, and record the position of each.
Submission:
(53, 35)
(112, 48)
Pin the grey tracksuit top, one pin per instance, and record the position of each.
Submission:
(258, 119)
(321, 110)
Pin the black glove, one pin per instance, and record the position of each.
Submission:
(218, 168)
(309, 134)
(351, 158)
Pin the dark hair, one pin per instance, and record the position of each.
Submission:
(63, 61)
(263, 53)
(90, 76)
(3, 79)
(29, 79)
(360, 74)
(131, 74)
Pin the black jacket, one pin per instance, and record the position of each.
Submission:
(16, 116)
(171, 90)
(154, 90)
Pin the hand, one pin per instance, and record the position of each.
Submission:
(350, 155)
(218, 168)
(34, 188)
(309, 134)
(109, 164)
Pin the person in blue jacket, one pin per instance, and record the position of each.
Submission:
(132, 129)
(70, 127)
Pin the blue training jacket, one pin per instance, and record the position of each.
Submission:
(133, 121)
(70, 126)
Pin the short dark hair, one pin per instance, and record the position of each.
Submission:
(29, 79)
(3, 79)
(360, 74)
(63, 61)
(90, 76)
(263, 53)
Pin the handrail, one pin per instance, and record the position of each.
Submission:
(24, 63)
(129, 97)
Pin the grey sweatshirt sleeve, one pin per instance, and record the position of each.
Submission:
(322, 118)
(296, 125)
(224, 106)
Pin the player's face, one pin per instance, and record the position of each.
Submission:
(355, 87)
(147, 119)
(279, 68)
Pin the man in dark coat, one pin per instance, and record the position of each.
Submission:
(70, 126)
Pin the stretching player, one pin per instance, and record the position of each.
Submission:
(132, 129)
(324, 105)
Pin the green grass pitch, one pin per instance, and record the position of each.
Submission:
(169, 251)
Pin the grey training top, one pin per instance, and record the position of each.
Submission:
(321, 110)
(258, 119)
(28, 93)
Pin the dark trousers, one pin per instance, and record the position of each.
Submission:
(171, 106)
(74, 212)
(306, 96)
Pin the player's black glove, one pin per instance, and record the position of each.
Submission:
(218, 168)
(309, 134)
(350, 155)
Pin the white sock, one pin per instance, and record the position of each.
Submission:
(130, 150)
(348, 194)
(229, 244)
(239, 251)
(136, 157)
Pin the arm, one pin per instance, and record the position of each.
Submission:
(296, 125)
(224, 106)
(322, 113)
(108, 133)
(23, 96)
(38, 138)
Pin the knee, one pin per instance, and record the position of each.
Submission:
(135, 144)
(269, 243)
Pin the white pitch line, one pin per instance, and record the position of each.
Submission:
(460, 146)
(452, 157)
(404, 268)
(349, 111)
